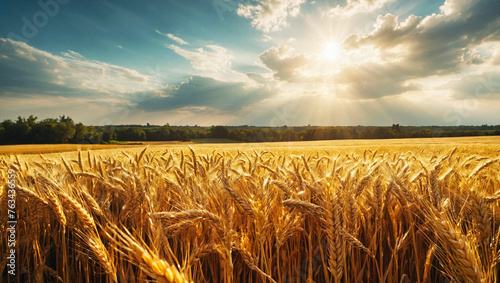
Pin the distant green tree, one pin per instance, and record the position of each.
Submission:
(92, 135)
(165, 133)
(273, 135)
(22, 130)
(309, 134)
(238, 135)
(220, 132)
(65, 129)
(108, 134)
(9, 131)
(80, 133)
(257, 135)
(2, 134)
(131, 134)
(137, 134)
(395, 128)
(382, 133)
(289, 135)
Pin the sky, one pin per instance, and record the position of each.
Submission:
(259, 62)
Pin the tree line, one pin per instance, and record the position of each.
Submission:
(65, 130)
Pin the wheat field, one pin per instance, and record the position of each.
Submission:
(401, 213)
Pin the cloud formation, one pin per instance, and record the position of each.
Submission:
(440, 44)
(71, 74)
(284, 63)
(354, 7)
(392, 67)
(206, 94)
(373, 80)
(396, 54)
(173, 37)
(476, 86)
(212, 61)
(495, 60)
(270, 15)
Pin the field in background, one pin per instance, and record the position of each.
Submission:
(206, 145)
(54, 148)
(412, 210)
(57, 148)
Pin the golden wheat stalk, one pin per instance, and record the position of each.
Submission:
(244, 204)
(336, 248)
(145, 258)
(458, 251)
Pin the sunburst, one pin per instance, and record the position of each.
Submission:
(332, 51)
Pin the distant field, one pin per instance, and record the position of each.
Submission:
(55, 148)
(292, 147)
(51, 148)
(211, 140)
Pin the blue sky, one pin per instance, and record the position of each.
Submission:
(264, 62)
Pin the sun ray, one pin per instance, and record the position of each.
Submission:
(332, 50)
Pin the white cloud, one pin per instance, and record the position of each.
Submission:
(213, 61)
(373, 80)
(270, 15)
(496, 58)
(266, 38)
(354, 7)
(259, 78)
(284, 63)
(481, 85)
(71, 74)
(397, 55)
(451, 7)
(438, 45)
(173, 37)
(382, 73)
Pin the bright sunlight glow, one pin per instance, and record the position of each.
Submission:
(331, 50)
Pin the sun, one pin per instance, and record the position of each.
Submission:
(332, 51)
